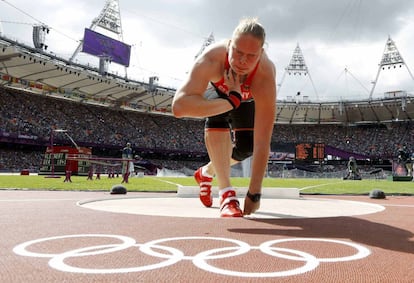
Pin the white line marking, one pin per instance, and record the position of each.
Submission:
(168, 182)
(30, 200)
(320, 185)
(399, 205)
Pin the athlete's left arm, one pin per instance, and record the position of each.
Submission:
(265, 108)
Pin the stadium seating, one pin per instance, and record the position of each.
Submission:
(28, 118)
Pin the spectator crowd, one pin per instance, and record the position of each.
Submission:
(34, 116)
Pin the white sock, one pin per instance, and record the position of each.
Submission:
(225, 190)
(204, 172)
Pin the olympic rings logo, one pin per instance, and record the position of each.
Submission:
(173, 255)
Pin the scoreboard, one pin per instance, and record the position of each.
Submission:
(309, 152)
(55, 161)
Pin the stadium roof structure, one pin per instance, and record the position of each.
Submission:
(42, 72)
(35, 70)
(394, 107)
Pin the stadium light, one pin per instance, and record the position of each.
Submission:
(39, 35)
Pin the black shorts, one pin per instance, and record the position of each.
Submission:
(240, 118)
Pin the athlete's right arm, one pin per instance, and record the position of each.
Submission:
(189, 100)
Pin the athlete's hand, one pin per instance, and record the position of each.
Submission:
(232, 81)
(250, 206)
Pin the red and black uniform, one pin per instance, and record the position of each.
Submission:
(220, 86)
(239, 120)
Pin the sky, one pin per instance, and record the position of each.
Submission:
(342, 41)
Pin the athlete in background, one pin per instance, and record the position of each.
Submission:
(127, 165)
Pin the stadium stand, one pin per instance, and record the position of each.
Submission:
(26, 121)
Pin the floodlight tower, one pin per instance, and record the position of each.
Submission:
(297, 66)
(209, 40)
(110, 20)
(391, 57)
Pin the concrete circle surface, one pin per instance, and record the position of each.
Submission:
(269, 208)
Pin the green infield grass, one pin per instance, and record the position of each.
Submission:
(170, 184)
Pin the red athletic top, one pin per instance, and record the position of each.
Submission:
(245, 87)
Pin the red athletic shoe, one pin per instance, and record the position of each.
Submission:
(205, 188)
(229, 204)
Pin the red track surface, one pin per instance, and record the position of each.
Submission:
(369, 248)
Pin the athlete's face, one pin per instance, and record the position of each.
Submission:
(244, 53)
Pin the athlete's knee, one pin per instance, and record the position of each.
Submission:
(240, 155)
(243, 145)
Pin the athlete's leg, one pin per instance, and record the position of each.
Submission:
(242, 122)
(209, 168)
(204, 175)
(219, 148)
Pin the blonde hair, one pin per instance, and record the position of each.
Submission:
(250, 26)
